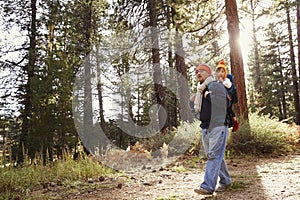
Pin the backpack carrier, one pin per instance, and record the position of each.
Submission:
(232, 92)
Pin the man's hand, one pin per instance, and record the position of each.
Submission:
(192, 99)
(206, 93)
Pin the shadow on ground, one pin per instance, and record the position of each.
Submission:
(253, 178)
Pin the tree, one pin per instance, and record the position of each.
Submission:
(298, 34)
(57, 39)
(184, 18)
(255, 10)
(28, 92)
(275, 77)
(157, 77)
(256, 55)
(236, 59)
(293, 64)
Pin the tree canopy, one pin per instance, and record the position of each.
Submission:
(128, 65)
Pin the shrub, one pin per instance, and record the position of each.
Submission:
(263, 135)
(22, 180)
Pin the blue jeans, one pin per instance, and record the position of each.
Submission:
(214, 143)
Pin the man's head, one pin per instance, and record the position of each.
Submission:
(221, 70)
(202, 72)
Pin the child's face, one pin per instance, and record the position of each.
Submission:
(220, 73)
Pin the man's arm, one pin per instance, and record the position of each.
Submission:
(191, 103)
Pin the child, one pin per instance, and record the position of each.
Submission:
(221, 75)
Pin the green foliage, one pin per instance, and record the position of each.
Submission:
(238, 185)
(179, 168)
(65, 32)
(276, 97)
(264, 137)
(173, 197)
(23, 180)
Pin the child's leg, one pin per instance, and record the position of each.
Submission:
(236, 124)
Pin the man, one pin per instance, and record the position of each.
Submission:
(214, 132)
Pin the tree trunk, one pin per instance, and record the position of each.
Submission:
(64, 110)
(293, 65)
(257, 83)
(48, 134)
(236, 59)
(283, 101)
(157, 76)
(182, 75)
(182, 78)
(87, 104)
(27, 113)
(100, 90)
(298, 34)
(172, 106)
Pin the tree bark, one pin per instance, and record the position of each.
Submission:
(87, 104)
(293, 65)
(183, 88)
(157, 76)
(283, 101)
(172, 106)
(257, 83)
(236, 59)
(27, 113)
(100, 92)
(298, 34)
(182, 76)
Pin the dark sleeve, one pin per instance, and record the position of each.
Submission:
(205, 115)
(230, 111)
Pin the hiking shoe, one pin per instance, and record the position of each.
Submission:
(222, 188)
(202, 191)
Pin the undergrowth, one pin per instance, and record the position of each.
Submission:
(261, 136)
(15, 181)
(264, 136)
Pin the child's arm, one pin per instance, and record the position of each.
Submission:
(227, 83)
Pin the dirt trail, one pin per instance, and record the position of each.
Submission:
(272, 178)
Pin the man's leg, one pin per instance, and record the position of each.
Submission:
(225, 179)
(217, 143)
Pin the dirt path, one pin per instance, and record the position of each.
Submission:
(272, 178)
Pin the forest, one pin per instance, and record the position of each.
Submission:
(109, 74)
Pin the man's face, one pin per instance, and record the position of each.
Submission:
(201, 75)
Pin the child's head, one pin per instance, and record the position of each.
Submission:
(221, 71)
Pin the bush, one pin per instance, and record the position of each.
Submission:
(23, 180)
(184, 138)
(263, 136)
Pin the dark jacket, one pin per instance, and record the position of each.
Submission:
(205, 113)
(214, 106)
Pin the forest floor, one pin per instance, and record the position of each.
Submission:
(253, 178)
